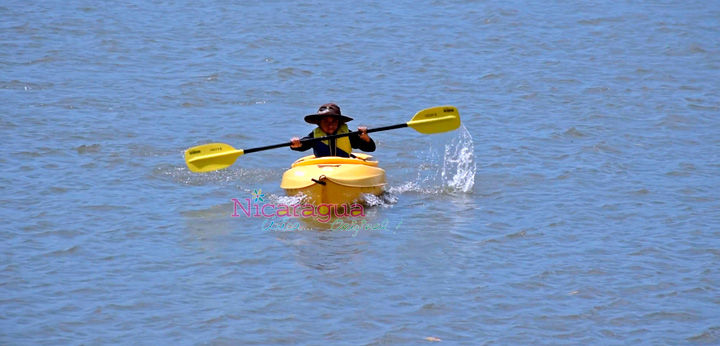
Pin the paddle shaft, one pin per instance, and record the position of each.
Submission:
(275, 146)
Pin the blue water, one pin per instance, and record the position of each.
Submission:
(577, 205)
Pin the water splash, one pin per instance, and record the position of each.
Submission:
(450, 171)
(408, 187)
(384, 200)
(287, 200)
(458, 171)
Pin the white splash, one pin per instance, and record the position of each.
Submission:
(288, 200)
(386, 199)
(450, 171)
(458, 171)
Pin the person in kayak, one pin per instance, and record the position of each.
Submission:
(330, 121)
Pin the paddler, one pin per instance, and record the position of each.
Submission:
(330, 121)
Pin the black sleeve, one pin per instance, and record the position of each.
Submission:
(304, 146)
(358, 143)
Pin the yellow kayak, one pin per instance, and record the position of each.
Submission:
(334, 180)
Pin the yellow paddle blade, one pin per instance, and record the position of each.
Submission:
(436, 120)
(211, 157)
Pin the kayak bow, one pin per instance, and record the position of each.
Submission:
(334, 180)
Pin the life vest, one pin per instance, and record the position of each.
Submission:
(340, 146)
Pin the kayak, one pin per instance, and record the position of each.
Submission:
(334, 180)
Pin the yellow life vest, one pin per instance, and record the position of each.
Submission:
(342, 143)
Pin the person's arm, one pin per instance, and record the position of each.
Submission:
(301, 146)
(362, 141)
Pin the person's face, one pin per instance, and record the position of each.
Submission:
(329, 125)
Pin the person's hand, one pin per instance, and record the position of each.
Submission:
(295, 142)
(364, 136)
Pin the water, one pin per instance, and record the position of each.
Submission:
(577, 205)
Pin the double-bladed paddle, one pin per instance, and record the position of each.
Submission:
(214, 156)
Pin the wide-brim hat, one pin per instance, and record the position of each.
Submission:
(328, 109)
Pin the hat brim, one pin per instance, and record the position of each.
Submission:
(315, 118)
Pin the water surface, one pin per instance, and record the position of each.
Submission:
(577, 204)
